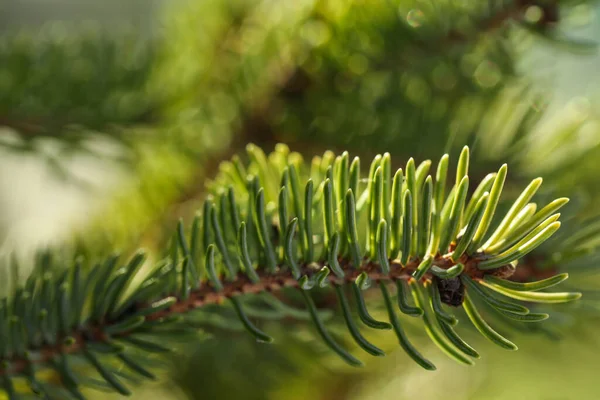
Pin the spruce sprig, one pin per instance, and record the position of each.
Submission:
(276, 224)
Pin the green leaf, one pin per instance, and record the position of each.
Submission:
(327, 160)
(411, 186)
(105, 347)
(306, 283)
(245, 255)
(441, 225)
(407, 224)
(186, 252)
(332, 256)
(402, 297)
(282, 208)
(534, 297)
(432, 329)
(328, 212)
(402, 339)
(520, 219)
(511, 241)
(375, 216)
(520, 249)
(146, 345)
(296, 196)
(483, 327)
(531, 317)
(206, 230)
(263, 232)
(363, 281)
(220, 243)
(440, 184)
(483, 187)
(386, 171)
(396, 204)
(99, 287)
(370, 201)
(471, 228)
(421, 172)
(125, 326)
(382, 256)
(312, 309)
(106, 374)
(423, 267)
(425, 218)
(352, 232)
(147, 290)
(490, 299)
(450, 230)
(352, 328)
(234, 215)
(341, 180)
(363, 312)
(119, 284)
(462, 167)
(223, 211)
(155, 307)
(456, 340)
(486, 220)
(239, 168)
(354, 175)
(289, 250)
(449, 273)
(67, 376)
(210, 269)
(258, 157)
(309, 255)
(135, 366)
(519, 203)
(527, 286)
(321, 277)
(436, 304)
(250, 327)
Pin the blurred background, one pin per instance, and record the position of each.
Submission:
(114, 115)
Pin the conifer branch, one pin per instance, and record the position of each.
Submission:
(262, 232)
(241, 285)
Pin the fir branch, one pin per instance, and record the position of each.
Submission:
(240, 285)
(261, 233)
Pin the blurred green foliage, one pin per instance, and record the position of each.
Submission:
(52, 80)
